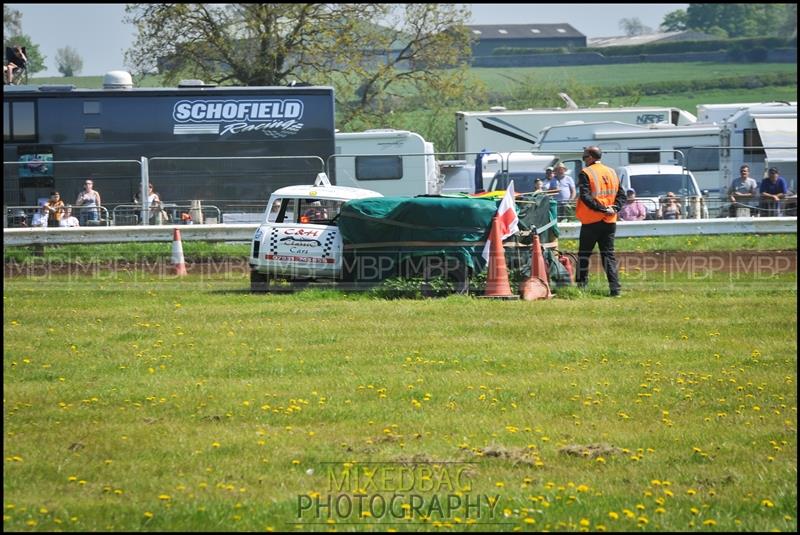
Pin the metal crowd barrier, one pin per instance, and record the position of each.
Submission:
(25, 216)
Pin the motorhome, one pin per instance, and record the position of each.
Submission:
(47, 126)
(627, 144)
(391, 162)
(497, 169)
(504, 130)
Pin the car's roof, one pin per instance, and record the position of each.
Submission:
(326, 192)
(653, 169)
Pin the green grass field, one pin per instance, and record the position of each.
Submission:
(145, 403)
(613, 75)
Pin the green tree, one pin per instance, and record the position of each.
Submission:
(634, 26)
(12, 21)
(741, 20)
(370, 65)
(69, 61)
(674, 21)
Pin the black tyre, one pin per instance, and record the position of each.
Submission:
(259, 282)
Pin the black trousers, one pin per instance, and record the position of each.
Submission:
(602, 234)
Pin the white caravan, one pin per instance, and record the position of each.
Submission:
(391, 162)
(762, 136)
(627, 144)
(503, 130)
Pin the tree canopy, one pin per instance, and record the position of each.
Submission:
(69, 61)
(372, 54)
(736, 20)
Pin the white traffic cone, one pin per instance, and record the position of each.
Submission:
(177, 254)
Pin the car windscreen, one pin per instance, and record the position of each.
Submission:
(523, 182)
(660, 185)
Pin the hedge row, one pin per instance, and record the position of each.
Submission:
(679, 86)
(711, 45)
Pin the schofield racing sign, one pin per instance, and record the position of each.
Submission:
(274, 118)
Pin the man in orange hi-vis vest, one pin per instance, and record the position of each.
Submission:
(600, 197)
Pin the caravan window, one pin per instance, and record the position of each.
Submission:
(752, 139)
(698, 158)
(644, 157)
(379, 167)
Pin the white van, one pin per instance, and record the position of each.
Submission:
(298, 237)
(652, 182)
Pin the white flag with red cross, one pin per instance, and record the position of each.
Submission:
(506, 217)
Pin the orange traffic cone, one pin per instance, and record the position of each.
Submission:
(497, 284)
(538, 285)
(177, 254)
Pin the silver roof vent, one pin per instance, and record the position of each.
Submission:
(194, 83)
(117, 80)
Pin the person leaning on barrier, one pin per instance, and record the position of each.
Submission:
(600, 199)
(772, 190)
(632, 210)
(89, 201)
(69, 220)
(670, 208)
(55, 209)
(743, 189)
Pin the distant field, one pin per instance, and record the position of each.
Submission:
(612, 75)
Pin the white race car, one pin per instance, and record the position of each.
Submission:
(298, 238)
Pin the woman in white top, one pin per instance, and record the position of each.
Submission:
(68, 220)
(153, 205)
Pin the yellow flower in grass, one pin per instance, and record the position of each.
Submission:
(710, 522)
(613, 515)
(148, 514)
(767, 503)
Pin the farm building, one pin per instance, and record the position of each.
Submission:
(488, 37)
(649, 39)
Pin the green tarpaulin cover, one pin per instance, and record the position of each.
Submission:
(390, 230)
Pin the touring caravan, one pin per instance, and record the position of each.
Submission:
(391, 162)
(761, 136)
(628, 144)
(506, 130)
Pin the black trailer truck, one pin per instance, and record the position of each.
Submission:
(46, 125)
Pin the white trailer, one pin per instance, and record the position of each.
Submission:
(391, 162)
(504, 130)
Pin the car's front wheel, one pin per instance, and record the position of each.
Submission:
(259, 282)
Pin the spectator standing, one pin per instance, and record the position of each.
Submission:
(152, 205)
(89, 201)
(55, 209)
(69, 220)
(632, 210)
(772, 190)
(601, 197)
(562, 182)
(538, 186)
(743, 189)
